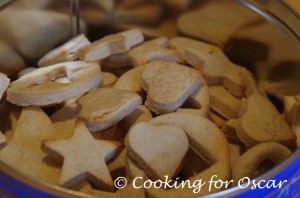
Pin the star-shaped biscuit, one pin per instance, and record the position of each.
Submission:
(84, 158)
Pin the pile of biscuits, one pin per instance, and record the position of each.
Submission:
(140, 103)
(125, 107)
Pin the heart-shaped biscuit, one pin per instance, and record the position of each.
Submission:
(159, 150)
(261, 122)
(168, 85)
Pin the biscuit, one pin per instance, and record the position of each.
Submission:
(206, 22)
(193, 164)
(117, 60)
(84, 157)
(153, 50)
(292, 115)
(148, 144)
(66, 52)
(11, 62)
(105, 107)
(26, 71)
(140, 114)
(166, 28)
(26, 30)
(111, 44)
(148, 13)
(236, 151)
(4, 83)
(132, 169)
(218, 70)
(23, 151)
(108, 79)
(224, 103)
(64, 120)
(37, 87)
(199, 100)
(130, 80)
(217, 119)
(118, 163)
(229, 129)
(168, 85)
(261, 122)
(208, 141)
(251, 159)
(181, 44)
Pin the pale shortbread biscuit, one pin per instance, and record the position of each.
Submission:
(261, 122)
(149, 144)
(218, 70)
(11, 62)
(140, 114)
(236, 150)
(132, 169)
(193, 164)
(64, 120)
(168, 85)
(217, 119)
(229, 129)
(105, 107)
(23, 151)
(111, 44)
(197, 52)
(209, 24)
(108, 79)
(117, 60)
(26, 71)
(106, 134)
(181, 44)
(153, 50)
(148, 13)
(118, 163)
(84, 157)
(66, 52)
(33, 33)
(208, 141)
(224, 103)
(200, 100)
(4, 83)
(246, 165)
(292, 115)
(37, 87)
(130, 80)
(166, 28)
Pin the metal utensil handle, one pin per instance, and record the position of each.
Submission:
(75, 18)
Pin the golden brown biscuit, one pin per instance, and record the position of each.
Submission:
(23, 151)
(149, 144)
(111, 44)
(224, 103)
(168, 85)
(208, 141)
(261, 122)
(37, 87)
(84, 157)
(246, 165)
(105, 107)
(66, 52)
(153, 50)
